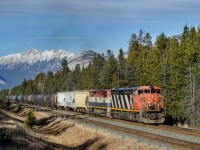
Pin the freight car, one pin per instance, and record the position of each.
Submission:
(66, 100)
(81, 101)
(76, 101)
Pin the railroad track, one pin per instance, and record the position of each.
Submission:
(183, 141)
(173, 137)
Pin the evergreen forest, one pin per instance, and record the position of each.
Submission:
(170, 62)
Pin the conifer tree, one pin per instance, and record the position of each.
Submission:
(121, 69)
(49, 83)
(130, 71)
(39, 83)
(30, 119)
(63, 75)
(192, 54)
(175, 89)
(96, 68)
(161, 45)
(76, 76)
(111, 65)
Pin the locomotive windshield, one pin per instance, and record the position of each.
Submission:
(146, 91)
(150, 90)
(140, 92)
(143, 91)
(155, 91)
(158, 91)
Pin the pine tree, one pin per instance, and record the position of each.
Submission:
(111, 65)
(63, 75)
(49, 84)
(153, 68)
(39, 83)
(121, 69)
(76, 76)
(30, 119)
(130, 70)
(176, 84)
(96, 68)
(161, 45)
(137, 62)
(192, 54)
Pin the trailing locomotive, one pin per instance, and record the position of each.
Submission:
(143, 104)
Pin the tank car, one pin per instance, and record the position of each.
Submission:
(21, 98)
(46, 101)
(25, 98)
(31, 99)
(39, 99)
(15, 98)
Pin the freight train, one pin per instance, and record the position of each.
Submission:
(143, 104)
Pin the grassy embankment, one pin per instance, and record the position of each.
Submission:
(52, 132)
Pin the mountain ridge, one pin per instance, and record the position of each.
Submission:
(16, 67)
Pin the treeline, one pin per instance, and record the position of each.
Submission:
(171, 63)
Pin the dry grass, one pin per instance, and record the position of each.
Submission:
(23, 112)
(59, 132)
(7, 124)
(39, 115)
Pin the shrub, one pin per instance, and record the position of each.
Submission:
(3, 103)
(30, 119)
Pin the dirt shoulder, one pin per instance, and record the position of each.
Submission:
(52, 132)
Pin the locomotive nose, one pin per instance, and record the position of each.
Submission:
(153, 102)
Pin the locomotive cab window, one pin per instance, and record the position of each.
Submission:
(157, 91)
(146, 91)
(140, 92)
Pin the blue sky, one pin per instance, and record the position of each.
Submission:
(76, 25)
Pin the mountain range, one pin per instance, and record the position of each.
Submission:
(14, 68)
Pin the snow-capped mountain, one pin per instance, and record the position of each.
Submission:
(32, 56)
(2, 81)
(16, 67)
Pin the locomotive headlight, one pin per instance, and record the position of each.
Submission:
(158, 107)
(150, 107)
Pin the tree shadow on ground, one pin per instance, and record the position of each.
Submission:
(11, 138)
